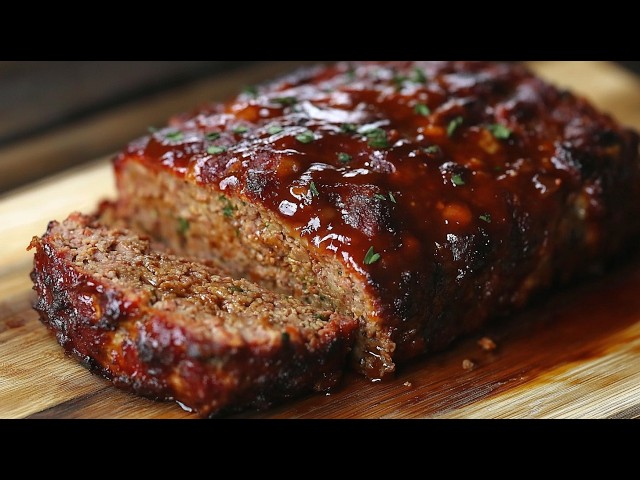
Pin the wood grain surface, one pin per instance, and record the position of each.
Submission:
(575, 354)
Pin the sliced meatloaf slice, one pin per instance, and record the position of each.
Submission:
(170, 328)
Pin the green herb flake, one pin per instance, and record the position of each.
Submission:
(499, 131)
(344, 157)
(284, 101)
(234, 289)
(305, 137)
(453, 125)
(457, 180)
(418, 76)
(399, 81)
(216, 150)
(321, 316)
(379, 196)
(351, 73)
(422, 109)
(183, 225)
(174, 136)
(228, 208)
(213, 136)
(274, 129)
(348, 128)
(432, 149)
(314, 190)
(240, 129)
(251, 91)
(285, 337)
(152, 129)
(485, 218)
(371, 257)
(377, 138)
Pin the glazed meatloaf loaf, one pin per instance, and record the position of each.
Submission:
(406, 203)
(170, 328)
(420, 197)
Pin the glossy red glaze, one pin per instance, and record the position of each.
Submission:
(480, 175)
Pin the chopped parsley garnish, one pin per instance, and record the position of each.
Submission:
(348, 128)
(216, 149)
(422, 109)
(183, 225)
(152, 129)
(431, 149)
(240, 129)
(174, 136)
(457, 180)
(250, 90)
(371, 257)
(321, 316)
(228, 208)
(499, 131)
(314, 190)
(284, 101)
(213, 135)
(453, 125)
(377, 138)
(273, 129)
(344, 157)
(351, 73)
(418, 76)
(285, 337)
(485, 217)
(379, 196)
(399, 81)
(305, 137)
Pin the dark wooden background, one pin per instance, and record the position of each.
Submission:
(54, 115)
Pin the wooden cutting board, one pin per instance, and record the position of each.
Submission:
(575, 354)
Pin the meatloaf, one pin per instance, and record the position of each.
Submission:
(405, 203)
(422, 198)
(170, 328)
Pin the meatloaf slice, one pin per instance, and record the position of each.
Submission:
(424, 198)
(169, 328)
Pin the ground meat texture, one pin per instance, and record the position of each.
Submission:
(169, 328)
(421, 198)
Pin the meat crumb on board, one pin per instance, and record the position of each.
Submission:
(487, 344)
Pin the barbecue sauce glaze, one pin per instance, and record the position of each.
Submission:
(455, 190)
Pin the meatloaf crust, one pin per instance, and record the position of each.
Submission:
(168, 328)
(422, 198)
